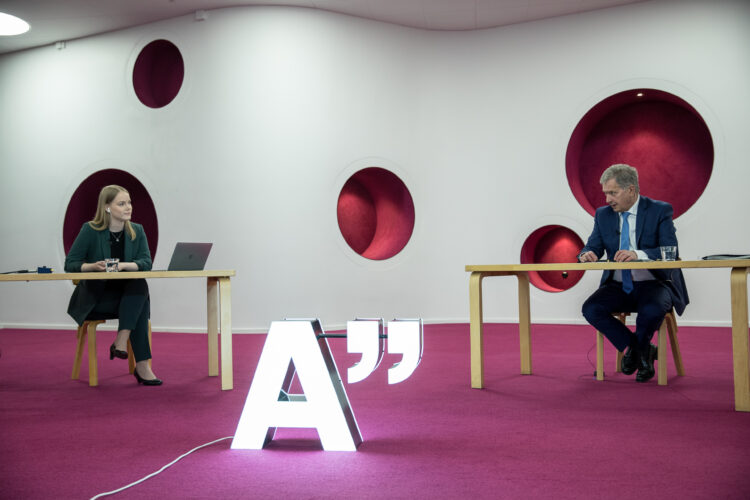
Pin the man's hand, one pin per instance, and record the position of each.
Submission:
(588, 257)
(625, 256)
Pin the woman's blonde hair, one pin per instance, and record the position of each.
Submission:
(101, 219)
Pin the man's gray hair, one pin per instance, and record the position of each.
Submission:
(624, 175)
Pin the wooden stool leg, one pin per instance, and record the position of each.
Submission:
(131, 358)
(599, 356)
(618, 359)
(149, 341)
(93, 371)
(662, 354)
(80, 337)
(672, 329)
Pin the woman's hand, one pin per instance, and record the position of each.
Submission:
(94, 267)
(101, 266)
(128, 266)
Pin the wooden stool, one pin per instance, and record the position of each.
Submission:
(668, 328)
(88, 330)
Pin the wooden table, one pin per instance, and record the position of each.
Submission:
(738, 288)
(218, 302)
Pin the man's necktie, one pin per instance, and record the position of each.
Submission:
(627, 277)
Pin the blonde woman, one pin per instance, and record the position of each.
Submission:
(112, 235)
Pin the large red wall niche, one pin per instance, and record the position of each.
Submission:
(658, 133)
(375, 213)
(552, 244)
(82, 206)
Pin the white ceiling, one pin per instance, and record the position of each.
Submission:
(59, 20)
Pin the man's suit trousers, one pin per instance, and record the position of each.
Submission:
(650, 299)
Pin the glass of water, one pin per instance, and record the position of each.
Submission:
(112, 265)
(668, 253)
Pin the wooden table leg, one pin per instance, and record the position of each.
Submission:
(524, 322)
(740, 339)
(475, 330)
(225, 299)
(212, 303)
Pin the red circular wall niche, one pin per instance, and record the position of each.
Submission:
(658, 133)
(552, 244)
(375, 213)
(158, 73)
(82, 206)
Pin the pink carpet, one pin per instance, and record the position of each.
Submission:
(556, 434)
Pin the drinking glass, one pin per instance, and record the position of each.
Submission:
(668, 253)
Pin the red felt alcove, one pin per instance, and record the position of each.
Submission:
(551, 244)
(158, 73)
(656, 132)
(375, 213)
(82, 206)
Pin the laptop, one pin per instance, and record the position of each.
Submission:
(189, 256)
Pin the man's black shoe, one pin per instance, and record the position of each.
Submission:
(629, 362)
(646, 365)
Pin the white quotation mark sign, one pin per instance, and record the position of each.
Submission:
(366, 336)
(301, 347)
(405, 337)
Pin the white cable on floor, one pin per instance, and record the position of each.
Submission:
(160, 470)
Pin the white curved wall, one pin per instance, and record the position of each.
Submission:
(279, 103)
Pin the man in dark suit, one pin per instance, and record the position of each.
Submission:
(632, 227)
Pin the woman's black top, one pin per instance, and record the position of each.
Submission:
(117, 245)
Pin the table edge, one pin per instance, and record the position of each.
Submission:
(578, 266)
(114, 276)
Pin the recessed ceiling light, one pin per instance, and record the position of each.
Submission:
(12, 25)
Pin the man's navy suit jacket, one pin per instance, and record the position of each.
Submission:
(653, 228)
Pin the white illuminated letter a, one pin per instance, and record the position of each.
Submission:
(323, 404)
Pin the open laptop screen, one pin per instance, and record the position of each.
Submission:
(189, 256)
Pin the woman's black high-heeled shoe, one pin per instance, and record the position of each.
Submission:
(116, 353)
(141, 380)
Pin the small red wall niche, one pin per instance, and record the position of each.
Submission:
(82, 206)
(656, 132)
(158, 73)
(375, 213)
(552, 244)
